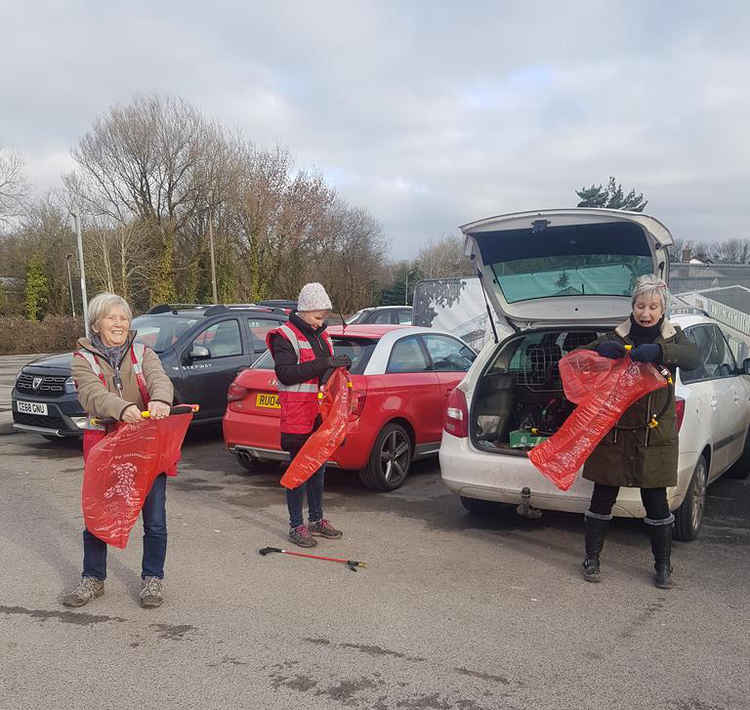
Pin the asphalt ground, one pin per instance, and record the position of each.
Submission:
(453, 611)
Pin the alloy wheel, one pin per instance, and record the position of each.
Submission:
(698, 494)
(394, 456)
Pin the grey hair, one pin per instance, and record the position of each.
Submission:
(651, 285)
(101, 304)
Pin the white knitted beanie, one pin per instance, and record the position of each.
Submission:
(313, 297)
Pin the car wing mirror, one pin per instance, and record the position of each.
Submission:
(198, 352)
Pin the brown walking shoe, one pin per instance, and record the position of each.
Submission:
(324, 529)
(88, 588)
(151, 593)
(301, 536)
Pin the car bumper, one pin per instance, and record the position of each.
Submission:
(499, 477)
(258, 436)
(64, 418)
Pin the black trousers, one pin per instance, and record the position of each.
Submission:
(654, 501)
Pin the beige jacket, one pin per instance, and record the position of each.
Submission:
(103, 401)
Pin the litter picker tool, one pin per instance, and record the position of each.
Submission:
(177, 409)
(351, 564)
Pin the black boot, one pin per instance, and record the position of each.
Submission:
(596, 531)
(661, 546)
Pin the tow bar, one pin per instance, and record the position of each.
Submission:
(525, 509)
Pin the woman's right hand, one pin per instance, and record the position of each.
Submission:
(132, 415)
(611, 349)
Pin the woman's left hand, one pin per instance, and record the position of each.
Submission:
(158, 410)
(648, 352)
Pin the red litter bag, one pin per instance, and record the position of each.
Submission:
(603, 389)
(120, 470)
(335, 407)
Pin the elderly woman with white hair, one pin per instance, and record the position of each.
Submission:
(633, 454)
(117, 378)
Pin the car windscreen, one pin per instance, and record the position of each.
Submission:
(158, 332)
(580, 260)
(359, 316)
(358, 349)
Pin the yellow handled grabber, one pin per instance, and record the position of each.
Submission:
(351, 564)
(177, 409)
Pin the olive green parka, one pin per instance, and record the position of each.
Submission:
(644, 457)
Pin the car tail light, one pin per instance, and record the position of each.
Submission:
(456, 419)
(679, 412)
(236, 392)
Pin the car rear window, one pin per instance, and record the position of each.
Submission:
(577, 260)
(158, 332)
(358, 349)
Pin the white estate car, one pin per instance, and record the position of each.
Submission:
(560, 278)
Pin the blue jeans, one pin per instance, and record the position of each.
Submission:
(295, 497)
(154, 538)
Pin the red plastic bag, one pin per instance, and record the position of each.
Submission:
(603, 389)
(335, 407)
(120, 470)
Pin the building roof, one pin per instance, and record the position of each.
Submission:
(737, 297)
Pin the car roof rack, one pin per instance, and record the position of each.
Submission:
(225, 307)
(174, 307)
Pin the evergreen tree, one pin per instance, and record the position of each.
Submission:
(611, 197)
(37, 289)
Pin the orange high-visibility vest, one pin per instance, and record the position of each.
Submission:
(299, 403)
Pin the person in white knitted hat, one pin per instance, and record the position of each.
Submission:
(302, 354)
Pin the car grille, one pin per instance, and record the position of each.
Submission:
(50, 384)
(39, 420)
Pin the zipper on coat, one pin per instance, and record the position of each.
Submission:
(648, 419)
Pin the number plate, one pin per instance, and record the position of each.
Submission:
(31, 407)
(269, 401)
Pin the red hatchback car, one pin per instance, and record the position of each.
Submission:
(401, 376)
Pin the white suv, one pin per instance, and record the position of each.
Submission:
(560, 278)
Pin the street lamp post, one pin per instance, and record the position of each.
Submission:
(84, 298)
(68, 257)
(213, 259)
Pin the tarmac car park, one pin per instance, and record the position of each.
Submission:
(559, 278)
(201, 348)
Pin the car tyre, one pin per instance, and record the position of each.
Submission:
(689, 516)
(390, 459)
(741, 467)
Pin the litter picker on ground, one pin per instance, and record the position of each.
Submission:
(351, 564)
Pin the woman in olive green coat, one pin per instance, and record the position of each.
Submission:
(634, 454)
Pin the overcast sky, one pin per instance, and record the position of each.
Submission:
(426, 117)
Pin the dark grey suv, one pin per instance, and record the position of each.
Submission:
(201, 348)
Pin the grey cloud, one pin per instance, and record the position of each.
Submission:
(428, 117)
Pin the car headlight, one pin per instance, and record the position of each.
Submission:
(70, 385)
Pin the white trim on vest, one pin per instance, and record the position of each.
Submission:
(297, 345)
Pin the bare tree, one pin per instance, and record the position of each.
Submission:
(147, 161)
(13, 186)
(444, 258)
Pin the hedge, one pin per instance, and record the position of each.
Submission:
(54, 334)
